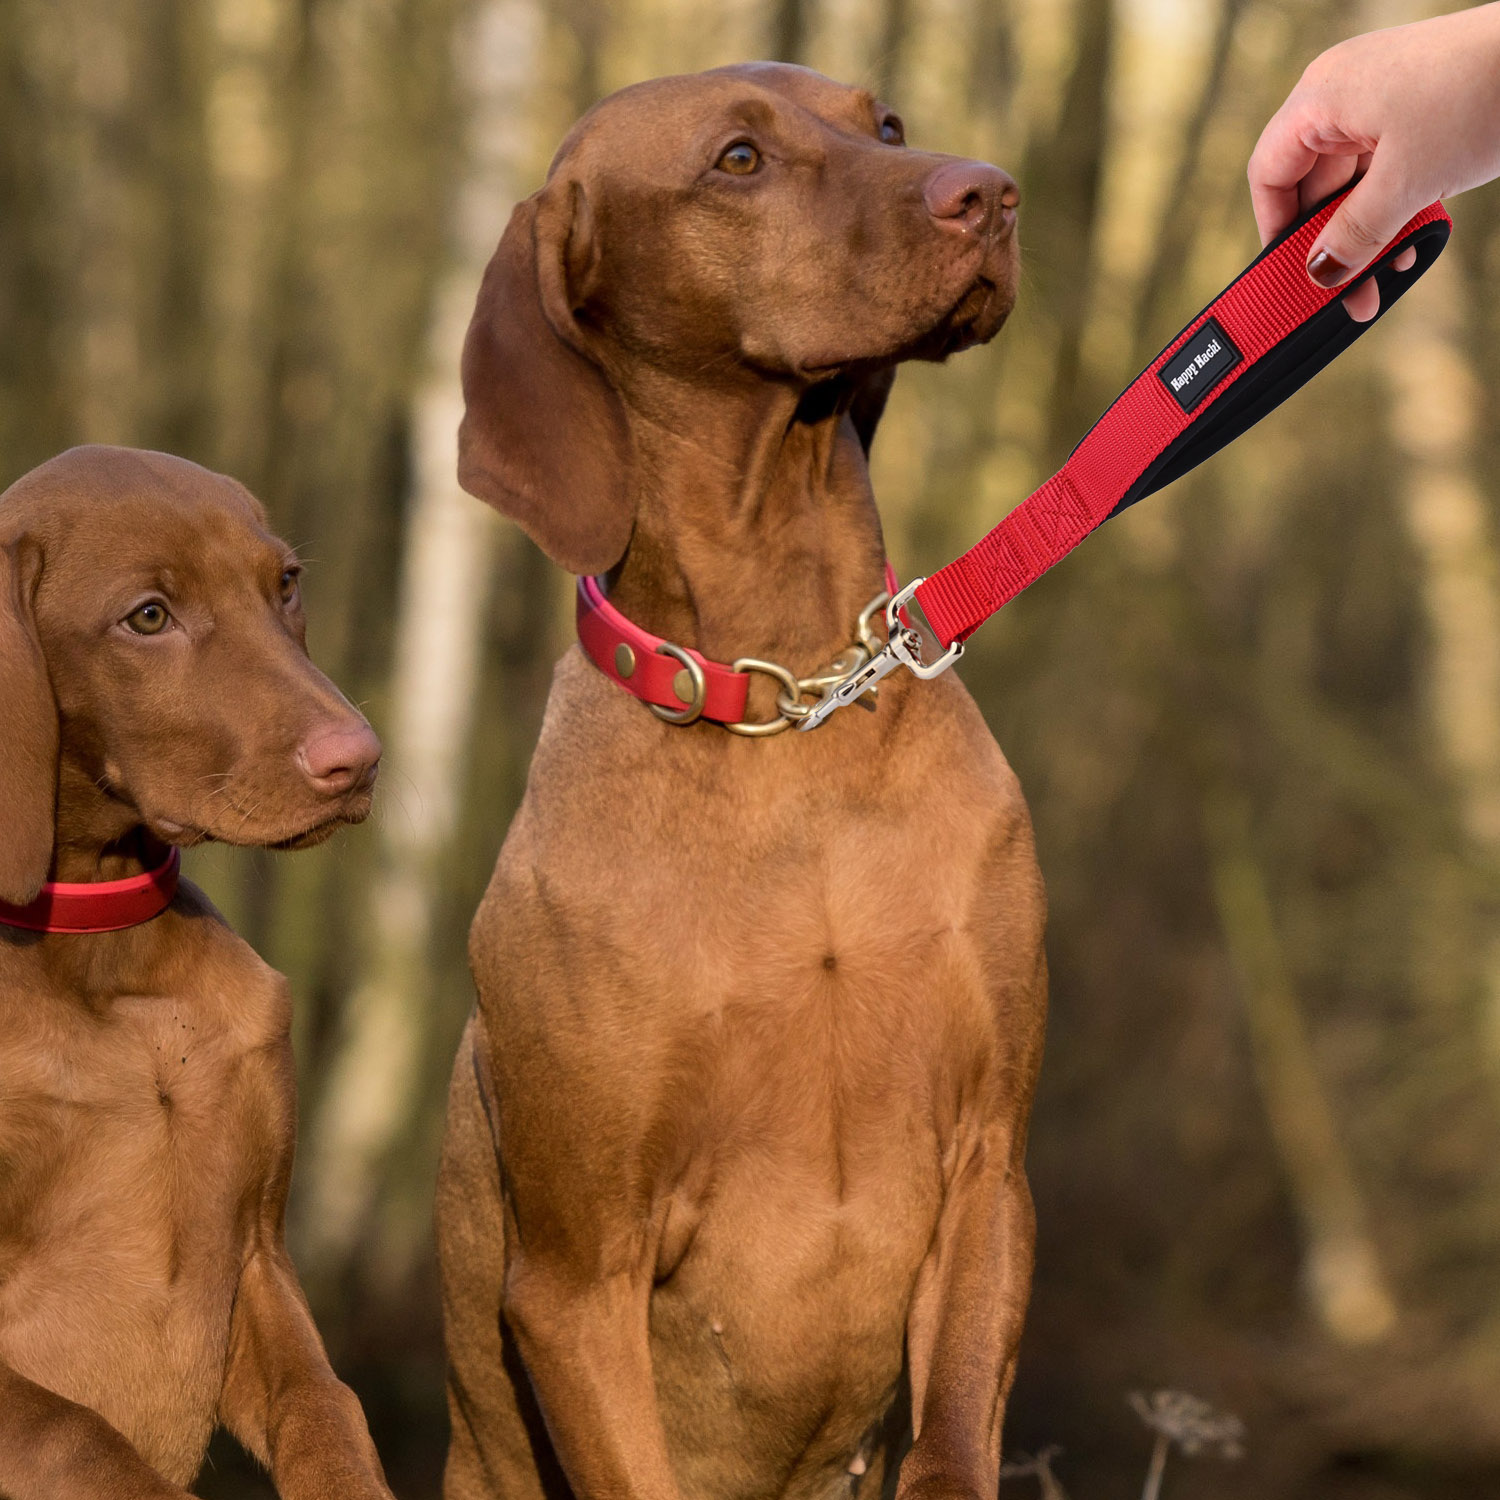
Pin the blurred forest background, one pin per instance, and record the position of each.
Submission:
(1257, 718)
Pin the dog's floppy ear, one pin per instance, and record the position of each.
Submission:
(28, 735)
(543, 437)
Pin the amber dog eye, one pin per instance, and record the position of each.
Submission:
(892, 132)
(289, 585)
(741, 159)
(150, 619)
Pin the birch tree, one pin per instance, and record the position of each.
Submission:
(448, 546)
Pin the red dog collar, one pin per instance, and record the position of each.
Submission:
(681, 685)
(1262, 338)
(101, 906)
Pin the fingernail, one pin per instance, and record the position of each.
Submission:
(1327, 271)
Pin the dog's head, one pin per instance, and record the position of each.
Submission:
(755, 223)
(153, 669)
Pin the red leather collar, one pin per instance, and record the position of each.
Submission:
(659, 672)
(100, 906)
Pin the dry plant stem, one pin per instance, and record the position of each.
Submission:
(1152, 1489)
(1040, 1469)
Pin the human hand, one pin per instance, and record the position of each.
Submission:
(1415, 109)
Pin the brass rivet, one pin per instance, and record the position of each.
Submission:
(625, 660)
(682, 685)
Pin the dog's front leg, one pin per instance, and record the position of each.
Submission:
(53, 1449)
(965, 1326)
(281, 1398)
(584, 1338)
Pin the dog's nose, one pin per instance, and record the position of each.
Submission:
(969, 196)
(340, 757)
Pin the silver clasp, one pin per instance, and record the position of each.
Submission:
(903, 649)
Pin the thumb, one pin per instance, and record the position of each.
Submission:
(1375, 211)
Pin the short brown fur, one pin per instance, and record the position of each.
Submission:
(735, 1139)
(147, 1104)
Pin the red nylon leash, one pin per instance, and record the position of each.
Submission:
(99, 906)
(1262, 338)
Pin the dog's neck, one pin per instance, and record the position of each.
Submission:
(756, 531)
(99, 837)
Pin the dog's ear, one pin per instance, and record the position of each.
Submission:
(543, 437)
(867, 405)
(28, 734)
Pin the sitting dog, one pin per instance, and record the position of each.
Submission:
(733, 1177)
(155, 691)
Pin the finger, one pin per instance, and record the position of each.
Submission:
(1364, 223)
(1328, 175)
(1363, 302)
(1274, 209)
(1279, 162)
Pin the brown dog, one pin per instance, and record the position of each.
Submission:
(736, 1136)
(155, 690)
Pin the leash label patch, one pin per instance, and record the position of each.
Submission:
(1199, 365)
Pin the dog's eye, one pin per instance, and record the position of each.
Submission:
(741, 159)
(150, 619)
(289, 585)
(892, 131)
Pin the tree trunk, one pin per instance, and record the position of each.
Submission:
(789, 31)
(374, 1086)
(1342, 1272)
(1435, 406)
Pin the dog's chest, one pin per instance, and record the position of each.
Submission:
(798, 988)
(807, 1032)
(121, 1190)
